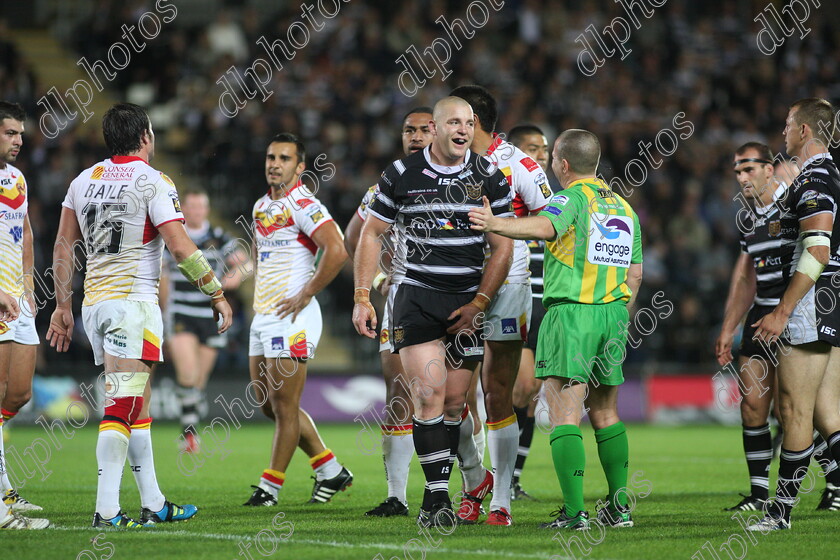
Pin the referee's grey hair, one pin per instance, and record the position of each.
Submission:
(581, 149)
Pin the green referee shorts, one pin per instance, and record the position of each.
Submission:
(583, 342)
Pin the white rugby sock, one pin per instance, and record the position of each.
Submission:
(480, 442)
(325, 465)
(503, 442)
(469, 460)
(142, 462)
(5, 483)
(111, 450)
(397, 451)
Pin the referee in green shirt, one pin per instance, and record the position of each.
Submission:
(593, 269)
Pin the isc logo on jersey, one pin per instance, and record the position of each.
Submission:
(610, 240)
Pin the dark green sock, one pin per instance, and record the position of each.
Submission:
(614, 453)
(569, 462)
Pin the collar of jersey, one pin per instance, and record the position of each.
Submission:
(442, 169)
(822, 156)
(586, 181)
(126, 159)
(298, 184)
(497, 141)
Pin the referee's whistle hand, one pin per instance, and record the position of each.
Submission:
(364, 319)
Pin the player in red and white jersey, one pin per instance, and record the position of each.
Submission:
(506, 323)
(397, 438)
(18, 338)
(123, 211)
(290, 226)
(531, 140)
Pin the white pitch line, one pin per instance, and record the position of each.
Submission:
(337, 544)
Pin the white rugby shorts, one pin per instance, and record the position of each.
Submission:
(273, 337)
(509, 315)
(124, 329)
(21, 330)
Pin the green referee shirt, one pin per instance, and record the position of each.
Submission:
(598, 237)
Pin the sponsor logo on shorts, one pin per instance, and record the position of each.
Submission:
(297, 345)
(509, 326)
(399, 334)
(118, 340)
(277, 343)
(473, 350)
(383, 336)
(4, 328)
(828, 330)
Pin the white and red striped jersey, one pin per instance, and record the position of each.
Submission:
(283, 230)
(530, 190)
(14, 205)
(119, 203)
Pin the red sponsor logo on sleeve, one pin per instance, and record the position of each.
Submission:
(304, 202)
(529, 164)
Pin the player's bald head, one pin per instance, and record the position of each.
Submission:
(580, 148)
(449, 105)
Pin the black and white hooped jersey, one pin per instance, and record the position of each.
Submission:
(762, 239)
(429, 205)
(816, 190)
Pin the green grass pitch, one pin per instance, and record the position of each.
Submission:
(688, 474)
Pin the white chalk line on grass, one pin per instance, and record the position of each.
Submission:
(337, 544)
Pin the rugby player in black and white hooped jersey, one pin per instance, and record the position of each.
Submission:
(446, 287)
(807, 318)
(192, 335)
(397, 443)
(531, 140)
(507, 323)
(754, 290)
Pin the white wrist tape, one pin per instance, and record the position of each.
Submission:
(808, 264)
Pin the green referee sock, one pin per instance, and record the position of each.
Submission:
(569, 462)
(614, 453)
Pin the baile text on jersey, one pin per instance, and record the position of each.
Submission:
(120, 203)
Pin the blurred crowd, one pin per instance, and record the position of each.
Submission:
(340, 94)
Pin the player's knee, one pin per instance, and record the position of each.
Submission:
(282, 406)
(753, 413)
(267, 410)
(124, 397)
(123, 410)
